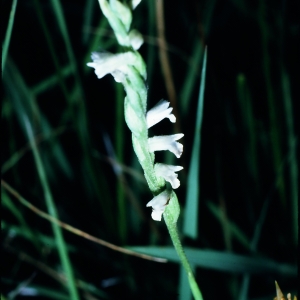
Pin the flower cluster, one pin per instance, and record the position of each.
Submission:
(163, 142)
(129, 69)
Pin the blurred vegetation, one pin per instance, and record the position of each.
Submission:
(67, 154)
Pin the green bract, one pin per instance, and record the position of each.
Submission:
(124, 13)
(116, 24)
(172, 210)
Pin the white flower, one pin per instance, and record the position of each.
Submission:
(115, 64)
(168, 173)
(159, 204)
(166, 142)
(136, 39)
(159, 112)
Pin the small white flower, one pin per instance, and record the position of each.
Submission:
(160, 111)
(166, 142)
(136, 39)
(115, 64)
(168, 173)
(159, 204)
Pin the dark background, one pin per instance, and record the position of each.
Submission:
(249, 142)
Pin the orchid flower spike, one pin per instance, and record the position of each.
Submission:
(166, 142)
(160, 111)
(159, 204)
(115, 64)
(168, 173)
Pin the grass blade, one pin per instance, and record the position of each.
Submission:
(184, 288)
(87, 19)
(58, 11)
(293, 163)
(62, 249)
(223, 261)
(53, 53)
(25, 229)
(192, 198)
(46, 84)
(27, 234)
(13, 76)
(187, 89)
(8, 33)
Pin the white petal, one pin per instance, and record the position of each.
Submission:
(159, 201)
(166, 142)
(105, 63)
(159, 204)
(156, 215)
(168, 173)
(160, 111)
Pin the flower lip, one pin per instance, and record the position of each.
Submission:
(160, 111)
(168, 173)
(159, 204)
(166, 142)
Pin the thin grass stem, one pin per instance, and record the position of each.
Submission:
(5, 45)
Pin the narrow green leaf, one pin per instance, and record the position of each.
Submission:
(50, 44)
(5, 45)
(222, 261)
(190, 78)
(190, 225)
(293, 161)
(48, 241)
(52, 80)
(87, 19)
(7, 202)
(20, 96)
(248, 118)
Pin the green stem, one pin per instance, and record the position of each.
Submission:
(177, 244)
(170, 216)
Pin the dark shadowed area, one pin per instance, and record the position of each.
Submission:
(67, 151)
